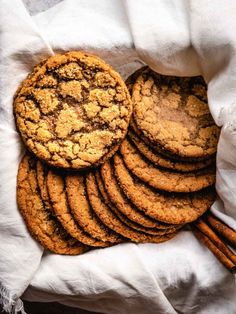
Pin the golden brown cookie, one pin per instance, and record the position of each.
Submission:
(173, 208)
(41, 172)
(161, 150)
(58, 197)
(42, 224)
(112, 221)
(73, 110)
(132, 78)
(125, 219)
(163, 161)
(83, 213)
(172, 113)
(119, 200)
(164, 179)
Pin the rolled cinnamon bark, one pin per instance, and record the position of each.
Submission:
(204, 228)
(228, 233)
(213, 248)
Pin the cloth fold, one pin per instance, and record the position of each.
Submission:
(173, 37)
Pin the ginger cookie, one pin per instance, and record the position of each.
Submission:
(163, 161)
(41, 172)
(160, 149)
(123, 218)
(172, 113)
(73, 110)
(164, 179)
(132, 78)
(58, 197)
(83, 213)
(112, 221)
(119, 200)
(41, 223)
(173, 208)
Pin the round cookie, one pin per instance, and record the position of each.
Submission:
(73, 110)
(43, 226)
(83, 213)
(124, 218)
(112, 221)
(165, 162)
(167, 207)
(172, 112)
(58, 197)
(164, 179)
(119, 199)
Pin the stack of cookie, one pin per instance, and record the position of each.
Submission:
(83, 183)
(164, 171)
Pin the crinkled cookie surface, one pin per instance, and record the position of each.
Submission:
(72, 110)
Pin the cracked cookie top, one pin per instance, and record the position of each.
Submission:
(72, 110)
(172, 112)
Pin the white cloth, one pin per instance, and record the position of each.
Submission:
(173, 37)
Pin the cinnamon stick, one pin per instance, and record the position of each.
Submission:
(228, 233)
(204, 228)
(214, 249)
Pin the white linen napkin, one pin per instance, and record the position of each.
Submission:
(173, 37)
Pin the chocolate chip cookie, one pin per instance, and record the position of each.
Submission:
(73, 110)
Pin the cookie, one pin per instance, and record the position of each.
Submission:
(132, 78)
(41, 173)
(165, 179)
(159, 149)
(123, 218)
(112, 221)
(43, 226)
(119, 200)
(172, 113)
(166, 207)
(58, 197)
(73, 110)
(163, 161)
(82, 211)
